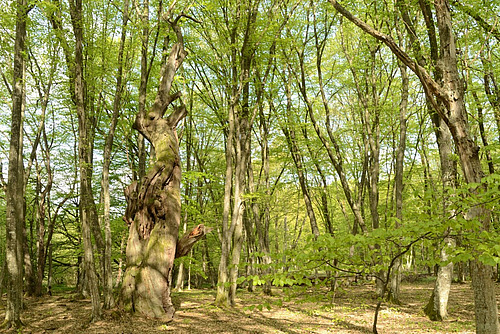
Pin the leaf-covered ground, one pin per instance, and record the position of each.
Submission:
(299, 310)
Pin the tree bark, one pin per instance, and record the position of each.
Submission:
(86, 196)
(240, 124)
(394, 292)
(15, 184)
(439, 299)
(106, 197)
(154, 205)
(437, 307)
(222, 297)
(486, 310)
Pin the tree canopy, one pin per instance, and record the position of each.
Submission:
(318, 142)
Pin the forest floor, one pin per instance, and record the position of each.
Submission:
(292, 310)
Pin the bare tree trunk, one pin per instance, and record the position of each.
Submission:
(437, 307)
(261, 221)
(50, 272)
(237, 144)
(482, 132)
(439, 298)
(222, 298)
(145, 70)
(15, 184)
(264, 225)
(297, 159)
(120, 262)
(179, 284)
(394, 292)
(41, 244)
(492, 89)
(109, 301)
(29, 273)
(238, 210)
(86, 196)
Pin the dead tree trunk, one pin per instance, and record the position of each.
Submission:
(154, 204)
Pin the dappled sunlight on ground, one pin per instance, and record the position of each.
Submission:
(299, 310)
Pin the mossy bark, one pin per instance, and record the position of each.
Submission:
(153, 212)
(154, 203)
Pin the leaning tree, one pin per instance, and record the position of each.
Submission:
(154, 204)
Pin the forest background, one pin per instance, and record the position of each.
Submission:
(321, 142)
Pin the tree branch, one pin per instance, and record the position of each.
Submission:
(488, 28)
(168, 70)
(187, 241)
(431, 87)
(177, 115)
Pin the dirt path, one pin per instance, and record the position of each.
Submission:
(301, 311)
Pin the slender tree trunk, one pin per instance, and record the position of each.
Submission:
(324, 190)
(106, 197)
(261, 221)
(119, 274)
(179, 284)
(297, 159)
(243, 126)
(42, 214)
(34, 286)
(50, 272)
(264, 225)
(492, 89)
(222, 298)
(394, 292)
(86, 196)
(143, 86)
(41, 247)
(242, 146)
(15, 184)
(482, 132)
(251, 223)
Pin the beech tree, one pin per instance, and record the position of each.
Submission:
(15, 185)
(154, 203)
